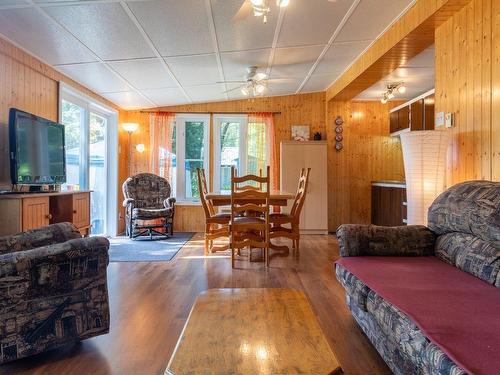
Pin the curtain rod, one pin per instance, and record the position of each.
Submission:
(211, 112)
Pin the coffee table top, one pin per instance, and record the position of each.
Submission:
(252, 331)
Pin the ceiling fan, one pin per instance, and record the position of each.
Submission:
(259, 8)
(253, 83)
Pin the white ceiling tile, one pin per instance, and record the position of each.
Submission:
(144, 74)
(164, 97)
(370, 18)
(195, 70)
(95, 76)
(104, 28)
(294, 62)
(206, 93)
(175, 27)
(248, 33)
(283, 86)
(311, 22)
(319, 82)
(39, 35)
(424, 59)
(128, 100)
(339, 56)
(235, 63)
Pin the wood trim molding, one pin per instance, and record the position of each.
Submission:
(406, 38)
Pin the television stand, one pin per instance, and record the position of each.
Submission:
(23, 211)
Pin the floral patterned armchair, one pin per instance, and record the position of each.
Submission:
(148, 205)
(53, 290)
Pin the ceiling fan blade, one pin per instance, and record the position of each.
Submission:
(245, 10)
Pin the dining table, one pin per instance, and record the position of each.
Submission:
(276, 198)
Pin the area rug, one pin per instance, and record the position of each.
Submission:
(123, 249)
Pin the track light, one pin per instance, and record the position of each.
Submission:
(390, 94)
(260, 88)
(244, 91)
(392, 89)
(402, 88)
(384, 100)
(282, 3)
(257, 3)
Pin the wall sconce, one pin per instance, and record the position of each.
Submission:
(424, 155)
(130, 127)
(140, 148)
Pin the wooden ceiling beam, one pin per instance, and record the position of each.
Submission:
(406, 38)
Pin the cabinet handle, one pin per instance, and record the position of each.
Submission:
(74, 211)
(49, 216)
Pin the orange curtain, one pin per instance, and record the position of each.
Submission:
(161, 130)
(262, 134)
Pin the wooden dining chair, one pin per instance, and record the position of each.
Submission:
(249, 230)
(292, 219)
(216, 224)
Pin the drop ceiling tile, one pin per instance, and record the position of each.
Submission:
(144, 74)
(370, 18)
(206, 93)
(283, 86)
(95, 76)
(164, 97)
(175, 27)
(319, 82)
(339, 56)
(128, 100)
(243, 34)
(195, 70)
(234, 64)
(294, 62)
(39, 35)
(311, 22)
(105, 28)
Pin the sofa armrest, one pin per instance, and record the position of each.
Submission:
(411, 240)
(169, 202)
(55, 233)
(128, 201)
(55, 269)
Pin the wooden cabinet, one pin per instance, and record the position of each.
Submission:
(417, 114)
(429, 112)
(21, 212)
(388, 204)
(403, 118)
(294, 157)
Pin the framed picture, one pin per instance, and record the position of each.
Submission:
(300, 132)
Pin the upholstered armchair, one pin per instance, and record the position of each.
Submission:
(53, 290)
(148, 205)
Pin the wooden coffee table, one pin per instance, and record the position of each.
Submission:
(252, 331)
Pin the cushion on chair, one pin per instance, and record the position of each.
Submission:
(151, 213)
(220, 218)
(278, 217)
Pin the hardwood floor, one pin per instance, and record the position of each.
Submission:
(150, 303)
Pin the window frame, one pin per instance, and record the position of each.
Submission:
(180, 129)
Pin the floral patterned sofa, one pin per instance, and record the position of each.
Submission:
(463, 230)
(53, 290)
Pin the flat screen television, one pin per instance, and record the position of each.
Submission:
(37, 154)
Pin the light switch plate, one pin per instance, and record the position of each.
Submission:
(439, 119)
(448, 119)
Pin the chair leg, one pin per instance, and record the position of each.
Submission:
(297, 246)
(207, 230)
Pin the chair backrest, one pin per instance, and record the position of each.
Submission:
(147, 189)
(247, 186)
(249, 200)
(208, 207)
(300, 196)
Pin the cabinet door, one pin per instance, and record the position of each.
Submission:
(403, 118)
(292, 160)
(35, 212)
(417, 115)
(314, 216)
(429, 112)
(394, 122)
(81, 210)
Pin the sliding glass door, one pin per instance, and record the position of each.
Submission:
(89, 148)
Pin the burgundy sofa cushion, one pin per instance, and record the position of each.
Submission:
(455, 310)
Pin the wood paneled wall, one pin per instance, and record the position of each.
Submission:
(468, 84)
(30, 85)
(368, 154)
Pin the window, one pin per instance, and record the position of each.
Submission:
(238, 143)
(190, 149)
(91, 154)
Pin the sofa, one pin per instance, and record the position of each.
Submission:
(463, 232)
(53, 290)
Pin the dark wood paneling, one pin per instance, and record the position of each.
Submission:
(404, 118)
(429, 112)
(387, 206)
(417, 115)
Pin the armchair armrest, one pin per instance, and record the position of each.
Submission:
(169, 202)
(54, 269)
(55, 233)
(411, 240)
(128, 201)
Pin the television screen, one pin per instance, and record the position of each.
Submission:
(36, 149)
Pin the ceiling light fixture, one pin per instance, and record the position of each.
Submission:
(392, 89)
(282, 3)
